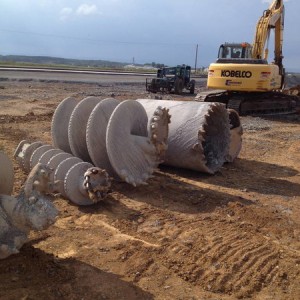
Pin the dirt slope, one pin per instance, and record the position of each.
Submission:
(184, 236)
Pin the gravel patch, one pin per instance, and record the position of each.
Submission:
(255, 124)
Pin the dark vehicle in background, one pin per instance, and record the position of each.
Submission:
(171, 80)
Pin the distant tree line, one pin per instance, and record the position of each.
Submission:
(60, 61)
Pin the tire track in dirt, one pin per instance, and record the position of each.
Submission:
(220, 259)
(224, 252)
(245, 267)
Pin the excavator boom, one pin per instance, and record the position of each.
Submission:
(272, 18)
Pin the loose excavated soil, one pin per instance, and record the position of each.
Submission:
(186, 235)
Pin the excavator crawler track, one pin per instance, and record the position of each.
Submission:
(234, 104)
(269, 103)
(254, 104)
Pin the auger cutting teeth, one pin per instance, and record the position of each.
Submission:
(93, 187)
(159, 130)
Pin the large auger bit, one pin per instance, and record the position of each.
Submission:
(202, 136)
(80, 182)
(114, 136)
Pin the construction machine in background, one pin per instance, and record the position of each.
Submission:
(243, 79)
(171, 80)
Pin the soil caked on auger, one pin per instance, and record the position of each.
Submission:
(30, 210)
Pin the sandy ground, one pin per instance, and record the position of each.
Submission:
(186, 235)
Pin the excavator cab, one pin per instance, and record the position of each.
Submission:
(235, 50)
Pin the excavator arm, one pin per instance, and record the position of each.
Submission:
(272, 18)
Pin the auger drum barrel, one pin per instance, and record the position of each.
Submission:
(199, 134)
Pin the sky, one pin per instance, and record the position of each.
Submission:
(143, 31)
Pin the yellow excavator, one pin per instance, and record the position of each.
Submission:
(243, 79)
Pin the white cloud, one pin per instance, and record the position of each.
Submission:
(82, 10)
(65, 13)
(85, 9)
